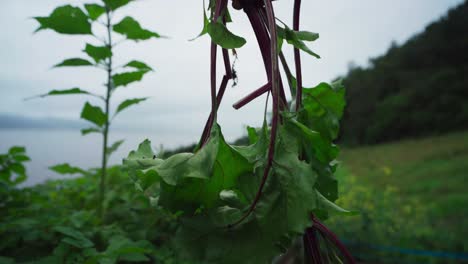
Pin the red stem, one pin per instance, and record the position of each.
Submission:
(275, 95)
(314, 245)
(219, 98)
(265, 88)
(220, 5)
(333, 238)
(297, 55)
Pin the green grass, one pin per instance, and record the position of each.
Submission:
(415, 187)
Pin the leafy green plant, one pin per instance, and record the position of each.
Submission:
(235, 202)
(72, 20)
(12, 170)
(55, 222)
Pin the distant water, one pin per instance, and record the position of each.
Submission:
(50, 147)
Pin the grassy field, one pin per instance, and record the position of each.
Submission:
(411, 194)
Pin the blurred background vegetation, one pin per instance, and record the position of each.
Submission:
(403, 166)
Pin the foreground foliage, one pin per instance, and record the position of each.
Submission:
(236, 202)
(211, 189)
(56, 222)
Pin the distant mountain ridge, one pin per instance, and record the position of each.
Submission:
(417, 89)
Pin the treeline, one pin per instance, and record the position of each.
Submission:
(416, 89)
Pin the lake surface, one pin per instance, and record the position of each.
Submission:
(49, 147)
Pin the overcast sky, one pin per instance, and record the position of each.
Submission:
(350, 31)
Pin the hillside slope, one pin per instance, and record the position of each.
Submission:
(412, 198)
(418, 88)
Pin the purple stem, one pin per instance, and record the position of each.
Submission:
(275, 95)
(297, 55)
(220, 5)
(227, 64)
(333, 238)
(219, 98)
(314, 245)
(265, 88)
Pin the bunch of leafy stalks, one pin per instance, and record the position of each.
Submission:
(236, 202)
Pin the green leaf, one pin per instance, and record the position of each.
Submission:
(128, 103)
(216, 167)
(223, 37)
(18, 168)
(21, 158)
(66, 20)
(306, 35)
(94, 10)
(206, 24)
(65, 168)
(74, 237)
(297, 38)
(323, 108)
(90, 130)
(94, 114)
(132, 30)
(6, 260)
(324, 150)
(138, 65)
(98, 53)
(115, 4)
(331, 207)
(74, 62)
(252, 134)
(125, 78)
(114, 147)
(65, 92)
(16, 150)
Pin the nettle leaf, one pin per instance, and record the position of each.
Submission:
(66, 168)
(21, 158)
(132, 30)
(323, 108)
(95, 10)
(98, 53)
(138, 65)
(223, 37)
(90, 130)
(18, 168)
(66, 20)
(16, 150)
(297, 38)
(128, 103)
(115, 4)
(65, 92)
(74, 62)
(125, 78)
(94, 114)
(114, 147)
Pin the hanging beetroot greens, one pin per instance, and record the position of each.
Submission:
(248, 204)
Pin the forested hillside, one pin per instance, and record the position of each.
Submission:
(416, 89)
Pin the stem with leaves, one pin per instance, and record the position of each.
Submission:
(105, 134)
(73, 20)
